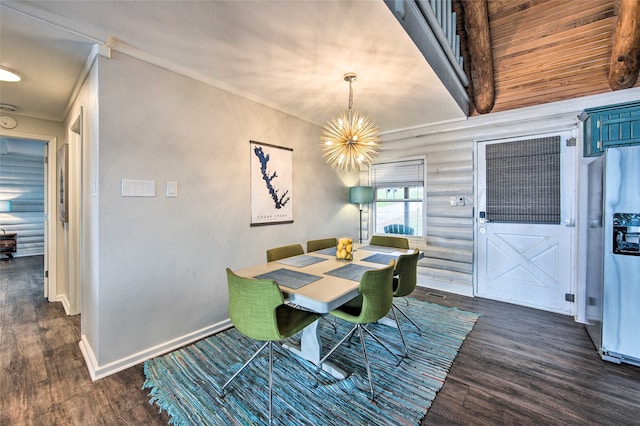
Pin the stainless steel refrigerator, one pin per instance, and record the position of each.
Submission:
(613, 255)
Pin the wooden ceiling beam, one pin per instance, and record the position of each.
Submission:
(476, 22)
(625, 56)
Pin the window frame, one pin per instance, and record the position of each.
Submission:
(374, 213)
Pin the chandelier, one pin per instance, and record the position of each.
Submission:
(351, 139)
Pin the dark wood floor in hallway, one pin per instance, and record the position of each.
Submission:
(518, 366)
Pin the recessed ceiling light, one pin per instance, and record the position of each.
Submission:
(7, 74)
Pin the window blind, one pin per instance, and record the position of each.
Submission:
(523, 181)
(398, 174)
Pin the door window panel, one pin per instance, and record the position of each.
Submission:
(523, 181)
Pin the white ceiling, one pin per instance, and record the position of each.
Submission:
(290, 55)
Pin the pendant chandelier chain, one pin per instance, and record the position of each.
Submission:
(350, 78)
(350, 98)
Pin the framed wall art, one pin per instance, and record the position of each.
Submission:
(271, 184)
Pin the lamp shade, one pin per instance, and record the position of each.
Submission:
(5, 206)
(360, 194)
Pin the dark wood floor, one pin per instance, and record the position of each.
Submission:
(518, 366)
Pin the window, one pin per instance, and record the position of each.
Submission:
(523, 181)
(398, 197)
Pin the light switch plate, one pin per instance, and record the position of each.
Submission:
(138, 188)
(172, 189)
(456, 201)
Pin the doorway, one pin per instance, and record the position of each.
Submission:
(525, 221)
(24, 186)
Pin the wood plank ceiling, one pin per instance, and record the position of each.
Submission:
(546, 50)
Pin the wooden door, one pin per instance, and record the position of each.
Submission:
(525, 224)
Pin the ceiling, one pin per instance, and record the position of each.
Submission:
(290, 55)
(550, 50)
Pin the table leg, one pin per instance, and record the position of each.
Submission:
(311, 349)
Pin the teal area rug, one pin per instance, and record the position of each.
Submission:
(186, 383)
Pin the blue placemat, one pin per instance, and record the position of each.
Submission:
(351, 271)
(331, 251)
(381, 258)
(289, 278)
(301, 260)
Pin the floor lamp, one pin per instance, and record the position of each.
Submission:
(360, 195)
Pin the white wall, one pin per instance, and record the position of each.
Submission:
(158, 277)
(450, 150)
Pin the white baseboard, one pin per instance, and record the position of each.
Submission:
(62, 298)
(99, 371)
(461, 289)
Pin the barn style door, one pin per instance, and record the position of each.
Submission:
(525, 223)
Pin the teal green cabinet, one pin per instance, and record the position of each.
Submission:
(612, 125)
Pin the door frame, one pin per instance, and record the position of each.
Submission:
(568, 205)
(50, 218)
(75, 258)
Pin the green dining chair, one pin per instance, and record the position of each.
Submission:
(383, 240)
(278, 253)
(373, 302)
(404, 282)
(315, 245)
(258, 311)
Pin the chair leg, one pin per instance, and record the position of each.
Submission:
(381, 343)
(348, 336)
(332, 321)
(395, 318)
(270, 379)
(243, 367)
(366, 359)
(359, 328)
(407, 317)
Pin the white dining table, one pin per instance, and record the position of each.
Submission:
(327, 291)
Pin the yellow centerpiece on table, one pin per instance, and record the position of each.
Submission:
(344, 250)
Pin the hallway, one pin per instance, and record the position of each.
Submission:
(43, 377)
